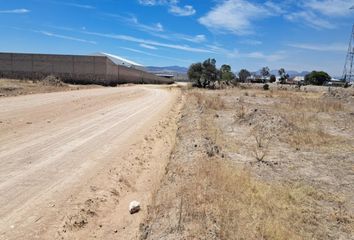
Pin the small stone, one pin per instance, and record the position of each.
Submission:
(134, 207)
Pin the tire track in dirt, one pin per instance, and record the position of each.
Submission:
(42, 161)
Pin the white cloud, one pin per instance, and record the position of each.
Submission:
(16, 11)
(235, 53)
(78, 5)
(332, 47)
(321, 14)
(234, 16)
(150, 42)
(179, 36)
(187, 10)
(158, 2)
(310, 19)
(148, 2)
(159, 27)
(49, 34)
(155, 55)
(267, 57)
(195, 39)
(238, 16)
(134, 22)
(332, 8)
(173, 8)
(72, 4)
(275, 7)
(147, 46)
(251, 42)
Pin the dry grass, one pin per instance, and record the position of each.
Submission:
(211, 101)
(13, 87)
(209, 195)
(305, 129)
(315, 104)
(308, 101)
(223, 201)
(244, 208)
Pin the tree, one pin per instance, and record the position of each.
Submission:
(226, 73)
(317, 78)
(209, 73)
(283, 75)
(203, 74)
(272, 78)
(265, 72)
(243, 75)
(195, 73)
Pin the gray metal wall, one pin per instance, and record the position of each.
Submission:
(72, 69)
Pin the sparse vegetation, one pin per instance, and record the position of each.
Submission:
(317, 78)
(243, 75)
(266, 87)
(265, 72)
(12, 87)
(283, 75)
(248, 173)
(204, 74)
(226, 74)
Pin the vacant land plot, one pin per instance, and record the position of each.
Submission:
(245, 164)
(14, 87)
(255, 164)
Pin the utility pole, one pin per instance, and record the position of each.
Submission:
(348, 72)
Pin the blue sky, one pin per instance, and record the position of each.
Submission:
(294, 34)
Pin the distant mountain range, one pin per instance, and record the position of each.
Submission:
(291, 73)
(184, 70)
(168, 69)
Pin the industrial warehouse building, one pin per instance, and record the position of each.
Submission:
(101, 68)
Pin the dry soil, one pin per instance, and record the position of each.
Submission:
(70, 162)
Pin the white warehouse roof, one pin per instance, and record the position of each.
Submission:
(119, 60)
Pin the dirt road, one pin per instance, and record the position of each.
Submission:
(68, 160)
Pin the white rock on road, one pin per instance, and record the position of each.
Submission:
(134, 207)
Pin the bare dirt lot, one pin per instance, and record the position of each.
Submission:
(14, 87)
(70, 162)
(256, 164)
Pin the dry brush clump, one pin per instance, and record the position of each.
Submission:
(208, 101)
(261, 147)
